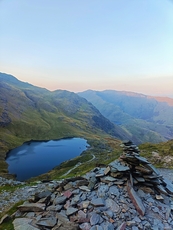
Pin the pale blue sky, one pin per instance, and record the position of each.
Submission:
(89, 44)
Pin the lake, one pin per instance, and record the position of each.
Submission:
(37, 157)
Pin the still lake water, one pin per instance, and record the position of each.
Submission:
(38, 157)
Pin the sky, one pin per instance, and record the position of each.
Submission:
(89, 44)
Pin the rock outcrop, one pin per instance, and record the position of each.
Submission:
(127, 194)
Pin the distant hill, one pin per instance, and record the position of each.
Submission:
(145, 118)
(29, 112)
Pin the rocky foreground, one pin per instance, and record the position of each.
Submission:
(127, 194)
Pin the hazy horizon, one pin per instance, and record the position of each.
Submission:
(80, 45)
(156, 95)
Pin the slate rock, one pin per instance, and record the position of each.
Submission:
(113, 190)
(108, 213)
(84, 188)
(68, 186)
(112, 205)
(118, 167)
(71, 210)
(102, 191)
(135, 199)
(82, 217)
(107, 170)
(5, 218)
(143, 170)
(122, 226)
(108, 179)
(43, 194)
(92, 182)
(152, 168)
(75, 200)
(66, 226)
(168, 185)
(85, 226)
(60, 200)
(32, 207)
(23, 224)
(94, 219)
(85, 204)
(96, 227)
(68, 193)
(107, 226)
(62, 217)
(142, 159)
(54, 207)
(98, 202)
(47, 222)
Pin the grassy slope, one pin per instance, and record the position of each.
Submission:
(39, 114)
(164, 149)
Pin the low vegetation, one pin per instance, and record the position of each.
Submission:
(8, 225)
(161, 155)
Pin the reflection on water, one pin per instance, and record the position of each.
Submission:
(35, 158)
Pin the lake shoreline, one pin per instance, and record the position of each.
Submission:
(34, 158)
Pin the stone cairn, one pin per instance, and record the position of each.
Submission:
(143, 172)
(128, 194)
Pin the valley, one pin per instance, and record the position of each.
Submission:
(143, 118)
(32, 113)
(29, 113)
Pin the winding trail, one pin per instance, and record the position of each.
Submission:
(78, 164)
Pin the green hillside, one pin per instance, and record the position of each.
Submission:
(159, 154)
(28, 112)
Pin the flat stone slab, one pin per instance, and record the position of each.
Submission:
(161, 189)
(85, 226)
(94, 219)
(48, 222)
(23, 224)
(118, 166)
(60, 200)
(139, 179)
(62, 217)
(71, 210)
(32, 207)
(43, 194)
(112, 205)
(152, 168)
(84, 188)
(107, 170)
(98, 202)
(109, 179)
(168, 185)
(122, 226)
(67, 193)
(102, 191)
(135, 199)
(142, 159)
(113, 190)
(143, 170)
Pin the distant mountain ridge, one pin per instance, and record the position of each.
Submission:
(145, 118)
(168, 100)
